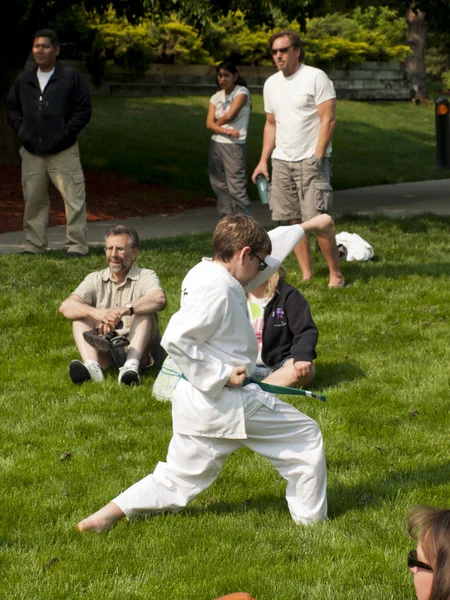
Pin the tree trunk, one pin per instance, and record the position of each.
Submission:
(416, 35)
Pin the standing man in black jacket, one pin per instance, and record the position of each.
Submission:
(47, 107)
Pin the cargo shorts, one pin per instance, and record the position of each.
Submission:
(300, 190)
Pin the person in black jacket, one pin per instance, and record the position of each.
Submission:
(47, 107)
(286, 333)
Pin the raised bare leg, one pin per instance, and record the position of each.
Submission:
(319, 224)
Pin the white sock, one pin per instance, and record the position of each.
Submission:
(131, 363)
(92, 363)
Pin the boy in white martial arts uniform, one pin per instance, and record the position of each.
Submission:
(213, 344)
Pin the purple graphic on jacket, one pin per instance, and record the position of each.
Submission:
(278, 316)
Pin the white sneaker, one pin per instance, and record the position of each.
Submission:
(129, 375)
(80, 372)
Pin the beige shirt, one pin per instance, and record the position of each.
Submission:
(100, 290)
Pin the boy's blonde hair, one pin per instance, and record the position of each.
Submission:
(234, 233)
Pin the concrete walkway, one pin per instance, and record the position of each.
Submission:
(394, 200)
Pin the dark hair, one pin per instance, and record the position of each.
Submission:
(294, 39)
(431, 527)
(227, 65)
(235, 233)
(48, 33)
(120, 229)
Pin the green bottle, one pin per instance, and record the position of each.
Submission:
(262, 185)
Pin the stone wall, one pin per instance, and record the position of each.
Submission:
(369, 81)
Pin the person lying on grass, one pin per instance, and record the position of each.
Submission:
(286, 334)
(214, 414)
(113, 309)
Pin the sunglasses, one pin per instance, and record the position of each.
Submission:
(414, 562)
(262, 263)
(281, 50)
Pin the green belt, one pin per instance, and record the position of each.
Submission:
(280, 389)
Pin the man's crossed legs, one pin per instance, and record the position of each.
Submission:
(143, 350)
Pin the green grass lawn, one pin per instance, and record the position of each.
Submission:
(383, 363)
(165, 141)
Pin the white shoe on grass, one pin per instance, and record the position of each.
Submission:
(129, 375)
(80, 372)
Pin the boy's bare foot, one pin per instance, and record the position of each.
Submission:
(102, 520)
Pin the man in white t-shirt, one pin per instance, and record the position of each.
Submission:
(300, 102)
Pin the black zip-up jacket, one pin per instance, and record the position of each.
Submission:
(50, 122)
(289, 329)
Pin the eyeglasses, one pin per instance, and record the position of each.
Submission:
(118, 249)
(281, 50)
(414, 562)
(262, 263)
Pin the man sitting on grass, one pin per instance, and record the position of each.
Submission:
(116, 309)
(213, 344)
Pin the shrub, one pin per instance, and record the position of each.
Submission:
(179, 43)
(230, 37)
(376, 33)
(335, 40)
(130, 47)
(334, 52)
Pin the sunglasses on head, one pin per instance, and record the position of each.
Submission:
(262, 263)
(413, 561)
(281, 50)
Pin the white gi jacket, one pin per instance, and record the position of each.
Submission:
(211, 334)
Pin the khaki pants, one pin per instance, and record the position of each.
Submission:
(64, 169)
(300, 190)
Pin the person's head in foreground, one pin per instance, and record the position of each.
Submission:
(241, 245)
(430, 562)
(236, 596)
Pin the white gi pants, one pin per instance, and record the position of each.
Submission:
(289, 439)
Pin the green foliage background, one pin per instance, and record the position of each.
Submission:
(330, 41)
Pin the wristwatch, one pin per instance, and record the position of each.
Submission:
(130, 308)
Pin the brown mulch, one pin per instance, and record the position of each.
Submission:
(108, 197)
